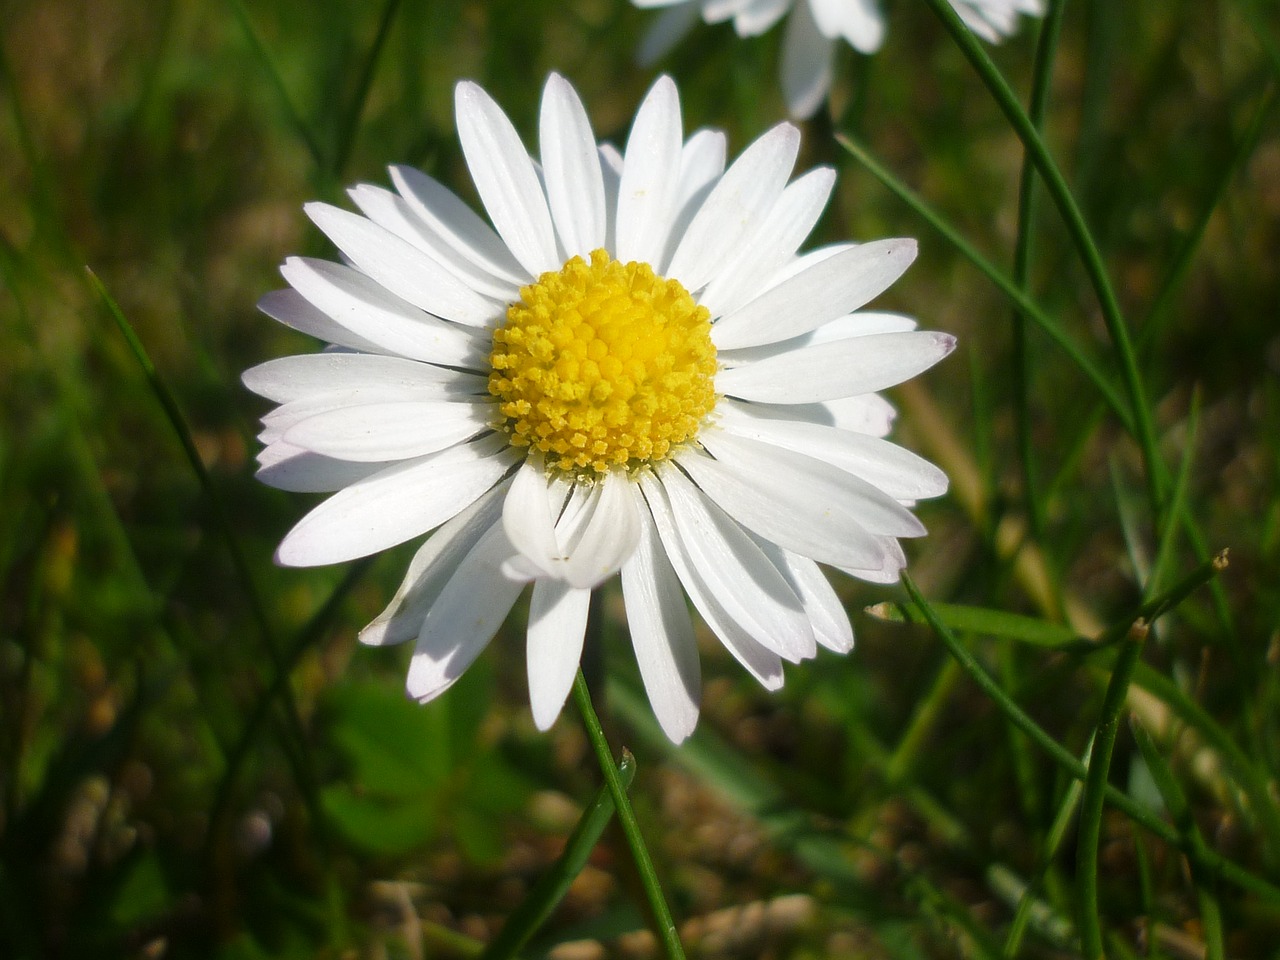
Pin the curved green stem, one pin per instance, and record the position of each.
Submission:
(666, 926)
(1045, 51)
(554, 884)
(1073, 218)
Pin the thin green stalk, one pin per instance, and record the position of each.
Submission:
(351, 122)
(1095, 784)
(178, 422)
(928, 710)
(1046, 50)
(277, 83)
(306, 638)
(1209, 860)
(1159, 311)
(1029, 307)
(1057, 830)
(1177, 501)
(1175, 802)
(551, 887)
(1080, 235)
(666, 926)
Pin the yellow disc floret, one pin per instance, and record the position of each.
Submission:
(602, 364)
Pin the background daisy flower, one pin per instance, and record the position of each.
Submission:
(632, 371)
(812, 31)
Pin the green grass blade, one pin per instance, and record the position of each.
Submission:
(1208, 859)
(177, 421)
(1042, 76)
(1013, 291)
(351, 119)
(1090, 256)
(261, 53)
(551, 887)
(1160, 310)
(1175, 802)
(1095, 785)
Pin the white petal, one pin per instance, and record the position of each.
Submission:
(757, 16)
(806, 514)
(873, 509)
(863, 323)
(399, 503)
(397, 215)
(826, 613)
(391, 431)
(295, 311)
(822, 293)
(528, 518)
(291, 378)
(402, 268)
(457, 226)
(889, 568)
(670, 27)
(860, 22)
(464, 618)
(701, 165)
(806, 62)
(650, 176)
(363, 307)
(661, 633)
(830, 370)
(869, 413)
(286, 467)
(772, 243)
(571, 165)
(759, 661)
(611, 171)
(898, 472)
(604, 535)
(283, 418)
(747, 585)
(557, 625)
(505, 179)
(432, 567)
(741, 198)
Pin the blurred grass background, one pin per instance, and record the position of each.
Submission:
(196, 759)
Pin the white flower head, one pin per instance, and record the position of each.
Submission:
(812, 32)
(631, 371)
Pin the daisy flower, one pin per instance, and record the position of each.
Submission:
(632, 371)
(812, 31)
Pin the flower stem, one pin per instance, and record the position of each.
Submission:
(1021, 380)
(665, 925)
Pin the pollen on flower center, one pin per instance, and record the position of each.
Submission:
(603, 363)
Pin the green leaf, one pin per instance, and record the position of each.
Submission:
(377, 824)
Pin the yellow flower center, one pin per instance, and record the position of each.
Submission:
(602, 364)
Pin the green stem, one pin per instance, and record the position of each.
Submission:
(1095, 785)
(1073, 218)
(666, 926)
(1045, 50)
(554, 884)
